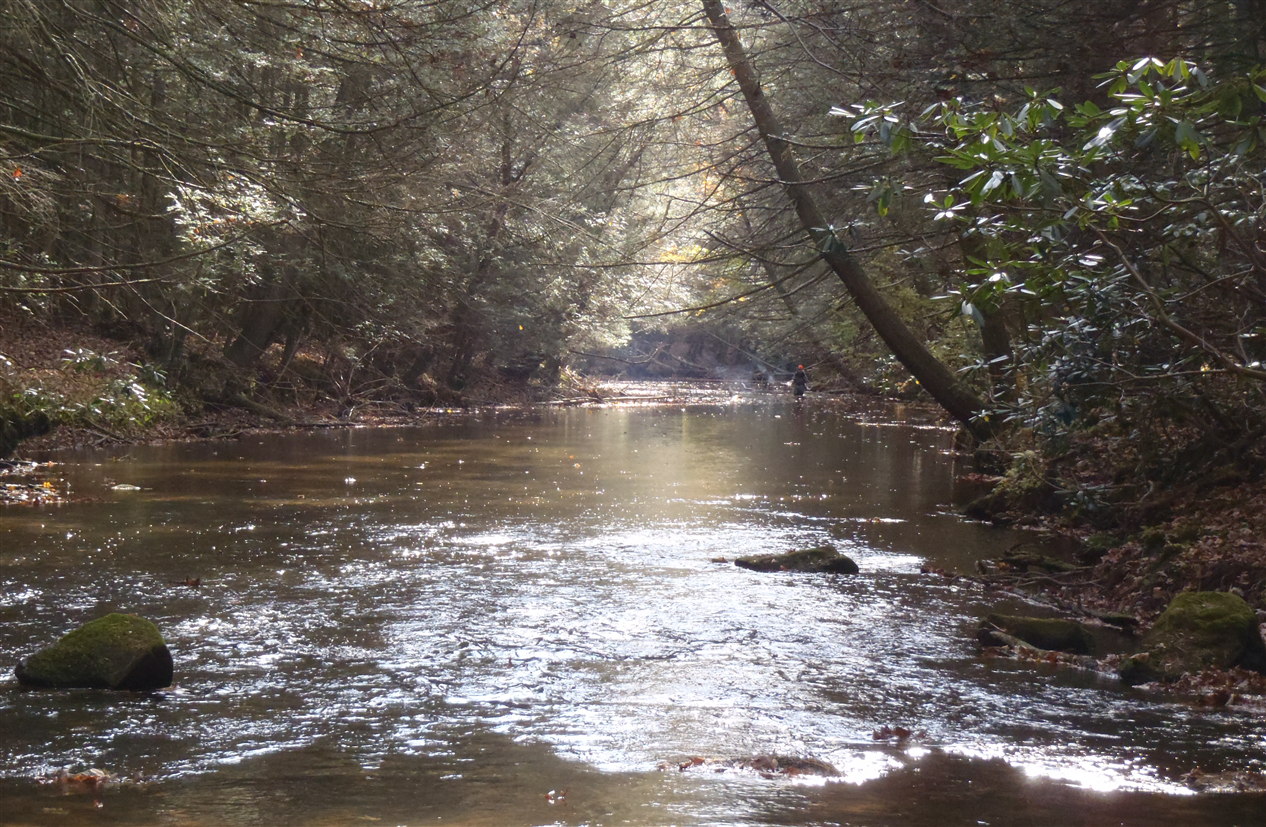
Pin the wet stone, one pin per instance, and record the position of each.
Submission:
(768, 766)
(823, 559)
(1051, 633)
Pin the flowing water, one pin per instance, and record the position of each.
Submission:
(524, 619)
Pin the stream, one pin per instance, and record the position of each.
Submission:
(522, 618)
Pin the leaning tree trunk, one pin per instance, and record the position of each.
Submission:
(934, 376)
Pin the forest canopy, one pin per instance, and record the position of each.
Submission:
(1045, 216)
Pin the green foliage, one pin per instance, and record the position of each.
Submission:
(90, 388)
(1126, 235)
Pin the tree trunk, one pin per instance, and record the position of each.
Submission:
(935, 378)
(261, 317)
(995, 335)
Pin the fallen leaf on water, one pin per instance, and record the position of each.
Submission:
(90, 782)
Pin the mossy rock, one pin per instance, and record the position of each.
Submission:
(989, 507)
(118, 651)
(1050, 633)
(820, 559)
(1198, 630)
(770, 765)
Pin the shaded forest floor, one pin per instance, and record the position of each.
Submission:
(1134, 554)
(1211, 541)
(1201, 537)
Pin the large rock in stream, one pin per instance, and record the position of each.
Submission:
(1198, 630)
(118, 651)
(820, 559)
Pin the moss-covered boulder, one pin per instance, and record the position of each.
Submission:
(820, 559)
(1198, 630)
(1050, 633)
(118, 651)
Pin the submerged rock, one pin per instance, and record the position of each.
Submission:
(820, 559)
(1198, 630)
(769, 766)
(118, 651)
(1051, 633)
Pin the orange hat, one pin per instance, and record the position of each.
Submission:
(799, 367)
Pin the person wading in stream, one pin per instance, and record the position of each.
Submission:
(799, 382)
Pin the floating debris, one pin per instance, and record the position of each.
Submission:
(22, 485)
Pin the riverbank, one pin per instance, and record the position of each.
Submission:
(1133, 553)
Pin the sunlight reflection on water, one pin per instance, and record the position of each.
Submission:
(473, 585)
